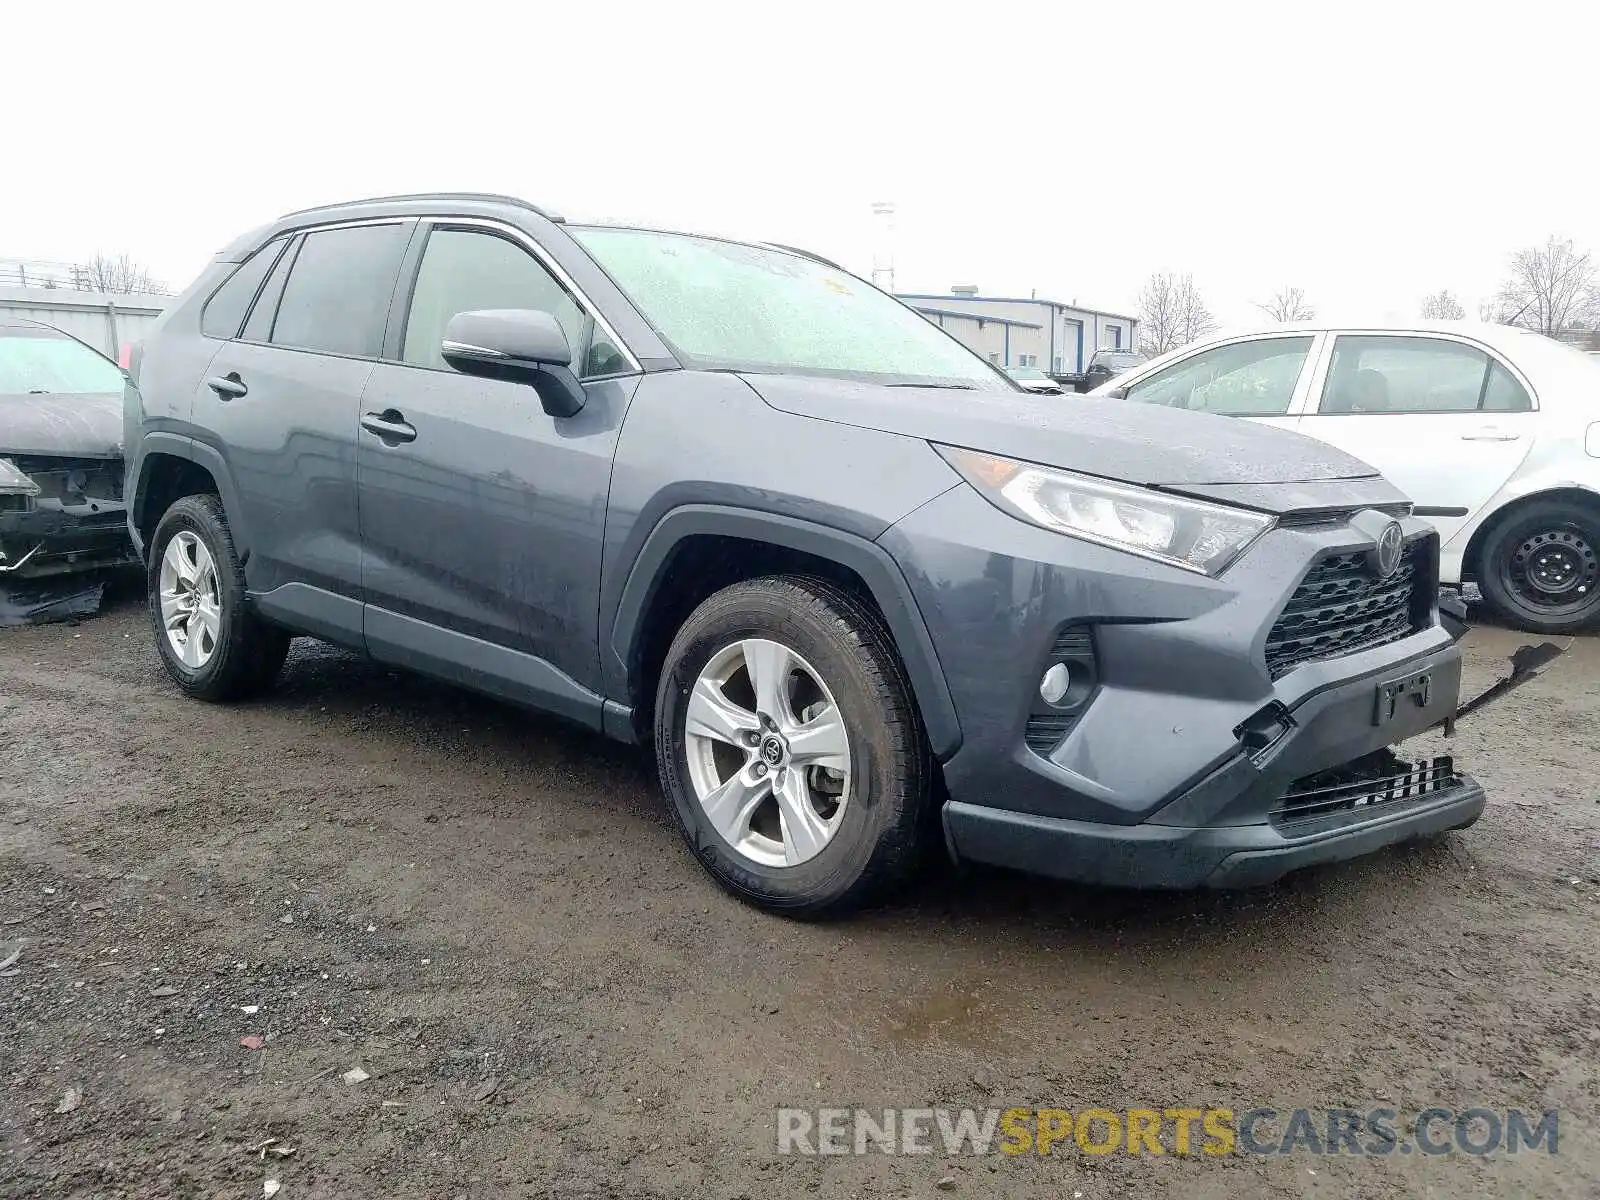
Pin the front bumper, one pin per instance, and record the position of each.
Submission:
(1167, 856)
(1164, 780)
(56, 541)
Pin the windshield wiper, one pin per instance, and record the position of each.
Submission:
(953, 387)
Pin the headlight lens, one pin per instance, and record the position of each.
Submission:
(13, 481)
(1186, 533)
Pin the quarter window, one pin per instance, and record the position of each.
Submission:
(224, 312)
(1241, 379)
(463, 270)
(1373, 374)
(337, 296)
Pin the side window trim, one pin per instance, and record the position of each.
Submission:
(265, 295)
(402, 303)
(1319, 391)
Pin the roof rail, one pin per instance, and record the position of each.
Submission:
(806, 254)
(485, 197)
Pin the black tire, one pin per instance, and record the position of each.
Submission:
(1539, 566)
(249, 652)
(880, 832)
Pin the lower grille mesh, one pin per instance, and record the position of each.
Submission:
(1379, 778)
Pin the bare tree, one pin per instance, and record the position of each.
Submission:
(1442, 306)
(117, 275)
(1172, 313)
(1551, 288)
(1288, 304)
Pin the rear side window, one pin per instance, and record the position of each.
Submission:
(258, 327)
(1241, 379)
(1372, 374)
(337, 296)
(224, 312)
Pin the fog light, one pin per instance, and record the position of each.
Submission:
(1055, 684)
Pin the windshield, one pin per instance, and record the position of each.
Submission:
(37, 361)
(727, 306)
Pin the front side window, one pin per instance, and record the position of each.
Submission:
(42, 361)
(336, 299)
(724, 305)
(1377, 374)
(466, 270)
(1254, 379)
(224, 312)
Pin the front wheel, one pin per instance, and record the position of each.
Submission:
(790, 748)
(1540, 567)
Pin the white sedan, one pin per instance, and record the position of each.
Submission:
(1493, 432)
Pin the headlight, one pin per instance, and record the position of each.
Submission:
(14, 482)
(1187, 533)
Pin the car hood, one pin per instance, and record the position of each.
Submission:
(1114, 439)
(78, 425)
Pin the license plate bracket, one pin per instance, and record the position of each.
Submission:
(1394, 694)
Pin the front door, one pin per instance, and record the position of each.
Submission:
(482, 517)
(1442, 419)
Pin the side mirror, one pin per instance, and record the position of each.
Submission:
(520, 345)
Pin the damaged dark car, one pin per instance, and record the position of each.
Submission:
(62, 521)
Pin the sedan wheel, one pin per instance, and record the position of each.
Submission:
(1540, 566)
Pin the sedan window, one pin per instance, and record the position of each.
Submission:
(1380, 374)
(1242, 379)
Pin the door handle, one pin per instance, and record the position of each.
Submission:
(228, 386)
(390, 425)
(1490, 434)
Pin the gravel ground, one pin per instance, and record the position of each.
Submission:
(490, 916)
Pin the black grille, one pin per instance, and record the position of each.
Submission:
(1341, 607)
(1376, 779)
(1045, 730)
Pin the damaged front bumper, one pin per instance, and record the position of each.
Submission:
(60, 516)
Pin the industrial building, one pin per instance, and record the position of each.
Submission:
(1056, 338)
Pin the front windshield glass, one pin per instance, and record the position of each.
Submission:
(728, 306)
(42, 362)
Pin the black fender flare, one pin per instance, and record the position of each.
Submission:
(867, 559)
(203, 456)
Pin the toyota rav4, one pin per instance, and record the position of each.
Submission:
(857, 591)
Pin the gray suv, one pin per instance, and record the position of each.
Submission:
(859, 593)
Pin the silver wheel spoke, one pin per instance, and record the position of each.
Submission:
(190, 600)
(177, 557)
(731, 807)
(191, 641)
(769, 665)
(821, 742)
(805, 833)
(713, 715)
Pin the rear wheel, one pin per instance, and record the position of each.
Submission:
(789, 746)
(211, 644)
(1540, 566)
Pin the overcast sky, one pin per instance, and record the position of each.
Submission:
(1367, 153)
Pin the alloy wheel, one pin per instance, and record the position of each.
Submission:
(769, 755)
(191, 600)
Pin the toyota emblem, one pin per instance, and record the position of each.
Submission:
(1384, 557)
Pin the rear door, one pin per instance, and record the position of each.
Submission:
(1444, 419)
(482, 523)
(1264, 378)
(280, 402)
